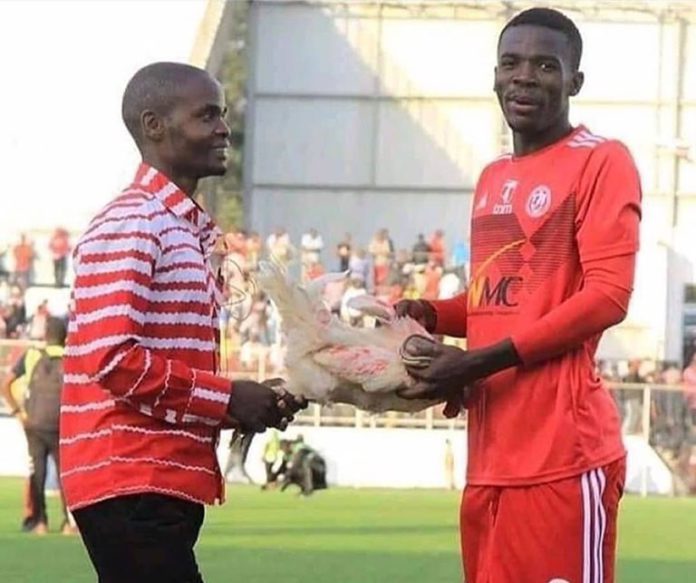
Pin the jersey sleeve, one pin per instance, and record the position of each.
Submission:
(600, 304)
(450, 316)
(608, 211)
(607, 224)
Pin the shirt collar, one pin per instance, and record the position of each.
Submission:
(157, 184)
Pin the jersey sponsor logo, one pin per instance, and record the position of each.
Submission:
(504, 207)
(484, 292)
(539, 201)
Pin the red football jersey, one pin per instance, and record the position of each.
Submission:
(538, 222)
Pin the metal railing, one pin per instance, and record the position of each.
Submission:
(650, 398)
(657, 413)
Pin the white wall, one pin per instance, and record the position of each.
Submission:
(366, 457)
(379, 457)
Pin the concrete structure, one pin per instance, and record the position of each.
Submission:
(375, 114)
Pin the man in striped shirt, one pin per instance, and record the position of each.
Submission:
(142, 404)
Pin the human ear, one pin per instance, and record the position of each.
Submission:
(152, 125)
(576, 83)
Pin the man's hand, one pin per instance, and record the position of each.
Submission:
(419, 310)
(254, 407)
(440, 370)
(443, 371)
(288, 404)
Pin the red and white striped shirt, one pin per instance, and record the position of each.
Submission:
(142, 405)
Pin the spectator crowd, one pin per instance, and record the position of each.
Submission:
(378, 267)
(251, 339)
(18, 273)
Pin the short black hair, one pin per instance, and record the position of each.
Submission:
(155, 88)
(56, 331)
(555, 20)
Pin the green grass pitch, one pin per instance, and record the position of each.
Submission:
(346, 536)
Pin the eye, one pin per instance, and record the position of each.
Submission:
(507, 63)
(548, 66)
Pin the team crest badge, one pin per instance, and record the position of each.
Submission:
(539, 201)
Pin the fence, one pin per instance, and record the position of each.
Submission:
(656, 413)
(645, 408)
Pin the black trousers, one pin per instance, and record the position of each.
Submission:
(42, 443)
(142, 538)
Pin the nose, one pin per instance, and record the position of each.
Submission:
(223, 129)
(525, 73)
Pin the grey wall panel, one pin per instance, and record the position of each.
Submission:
(438, 57)
(633, 125)
(306, 50)
(437, 144)
(620, 60)
(312, 141)
(405, 214)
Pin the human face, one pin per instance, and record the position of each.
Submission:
(534, 79)
(196, 136)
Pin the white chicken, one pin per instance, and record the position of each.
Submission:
(329, 361)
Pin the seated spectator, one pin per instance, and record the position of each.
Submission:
(252, 353)
(689, 380)
(59, 246)
(333, 293)
(313, 271)
(344, 251)
(381, 249)
(24, 256)
(256, 321)
(4, 272)
(438, 250)
(279, 246)
(461, 258)
(431, 276)
(37, 323)
(450, 285)
(15, 312)
(253, 250)
(420, 251)
(632, 399)
(359, 266)
(311, 246)
(356, 287)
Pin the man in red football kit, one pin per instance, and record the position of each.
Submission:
(554, 237)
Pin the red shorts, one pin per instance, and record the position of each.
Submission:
(560, 532)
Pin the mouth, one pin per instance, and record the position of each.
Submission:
(220, 152)
(522, 104)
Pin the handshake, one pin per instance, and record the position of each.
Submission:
(254, 407)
